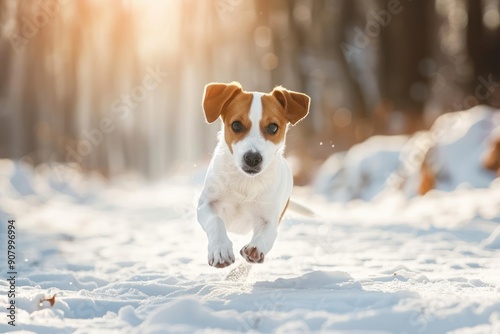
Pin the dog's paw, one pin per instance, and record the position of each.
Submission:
(252, 254)
(221, 256)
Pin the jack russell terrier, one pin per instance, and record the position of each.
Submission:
(248, 183)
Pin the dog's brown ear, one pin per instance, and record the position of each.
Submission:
(216, 97)
(296, 105)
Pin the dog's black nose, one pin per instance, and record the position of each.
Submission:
(252, 159)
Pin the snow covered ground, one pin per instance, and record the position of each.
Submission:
(130, 257)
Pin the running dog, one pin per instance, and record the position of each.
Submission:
(248, 183)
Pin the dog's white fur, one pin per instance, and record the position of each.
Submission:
(235, 201)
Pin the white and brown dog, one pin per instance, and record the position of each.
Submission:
(248, 183)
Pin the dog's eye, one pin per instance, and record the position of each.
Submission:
(237, 126)
(272, 128)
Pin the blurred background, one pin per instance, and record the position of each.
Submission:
(115, 86)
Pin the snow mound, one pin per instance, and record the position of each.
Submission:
(453, 152)
(362, 171)
(462, 140)
(128, 314)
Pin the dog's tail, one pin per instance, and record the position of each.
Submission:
(301, 209)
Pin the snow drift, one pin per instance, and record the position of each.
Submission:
(452, 154)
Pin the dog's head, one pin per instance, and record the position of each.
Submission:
(255, 124)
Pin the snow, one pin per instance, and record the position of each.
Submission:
(455, 148)
(129, 256)
(493, 241)
(362, 171)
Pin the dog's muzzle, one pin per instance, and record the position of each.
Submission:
(252, 162)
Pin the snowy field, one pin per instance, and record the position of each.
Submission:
(129, 257)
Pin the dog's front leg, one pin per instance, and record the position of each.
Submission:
(265, 233)
(220, 248)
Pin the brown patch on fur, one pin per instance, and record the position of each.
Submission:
(272, 112)
(493, 160)
(428, 179)
(296, 105)
(283, 213)
(238, 109)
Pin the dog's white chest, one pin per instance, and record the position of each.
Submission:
(239, 200)
(237, 215)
